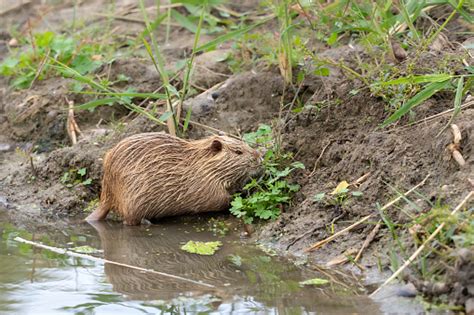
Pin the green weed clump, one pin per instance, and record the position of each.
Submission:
(264, 198)
(34, 60)
(75, 177)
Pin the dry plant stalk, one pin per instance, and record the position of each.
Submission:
(285, 67)
(341, 259)
(368, 240)
(420, 249)
(170, 121)
(359, 181)
(72, 128)
(337, 234)
(63, 251)
(455, 147)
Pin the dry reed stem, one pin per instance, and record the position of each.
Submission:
(337, 234)
(63, 251)
(455, 147)
(72, 126)
(420, 249)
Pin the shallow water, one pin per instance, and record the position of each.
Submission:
(247, 279)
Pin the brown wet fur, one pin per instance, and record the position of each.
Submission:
(154, 175)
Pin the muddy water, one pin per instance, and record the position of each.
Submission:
(246, 279)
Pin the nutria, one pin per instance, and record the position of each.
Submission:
(154, 175)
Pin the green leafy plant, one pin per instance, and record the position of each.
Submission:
(75, 177)
(339, 196)
(265, 197)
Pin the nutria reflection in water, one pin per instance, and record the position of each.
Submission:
(142, 247)
(259, 279)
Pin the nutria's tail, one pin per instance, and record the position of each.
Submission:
(99, 214)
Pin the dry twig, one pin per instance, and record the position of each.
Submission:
(368, 240)
(319, 158)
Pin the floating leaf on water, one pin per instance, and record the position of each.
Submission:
(86, 249)
(201, 248)
(314, 281)
(341, 188)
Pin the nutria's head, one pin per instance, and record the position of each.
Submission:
(228, 161)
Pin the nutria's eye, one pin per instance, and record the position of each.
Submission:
(216, 146)
(239, 152)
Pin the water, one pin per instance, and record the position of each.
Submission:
(247, 279)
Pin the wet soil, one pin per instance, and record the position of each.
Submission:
(338, 140)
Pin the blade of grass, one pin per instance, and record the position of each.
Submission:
(69, 72)
(119, 94)
(416, 100)
(448, 19)
(409, 21)
(189, 64)
(437, 77)
(154, 25)
(159, 65)
(184, 21)
(95, 103)
(105, 91)
(457, 104)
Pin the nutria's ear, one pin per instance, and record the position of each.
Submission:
(216, 146)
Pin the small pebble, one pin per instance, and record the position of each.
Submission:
(408, 290)
(4, 147)
(13, 42)
(3, 202)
